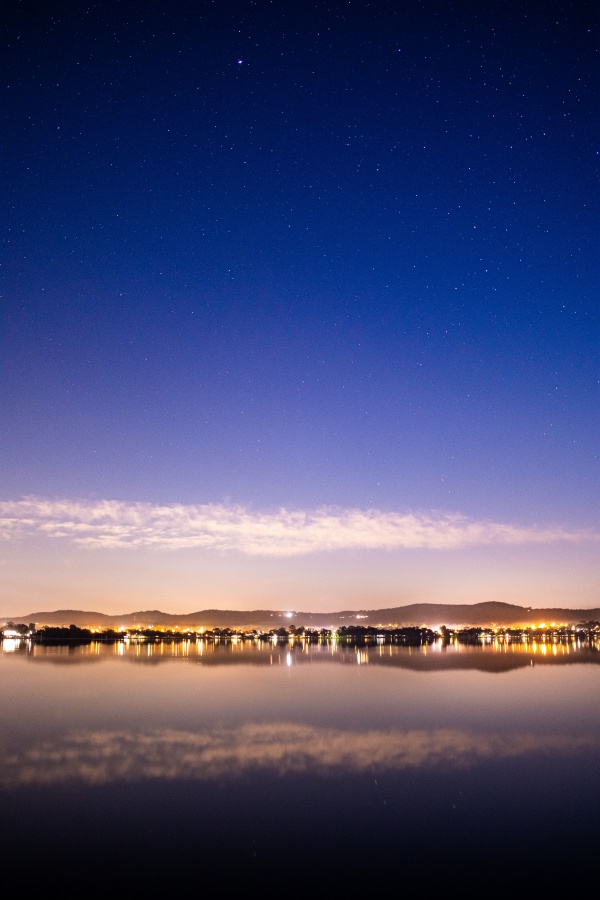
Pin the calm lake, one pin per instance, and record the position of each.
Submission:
(303, 764)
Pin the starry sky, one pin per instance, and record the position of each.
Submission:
(299, 305)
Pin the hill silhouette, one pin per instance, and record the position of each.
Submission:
(430, 614)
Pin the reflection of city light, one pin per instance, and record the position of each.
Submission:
(9, 645)
(288, 659)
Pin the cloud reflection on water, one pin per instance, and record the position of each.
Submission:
(102, 757)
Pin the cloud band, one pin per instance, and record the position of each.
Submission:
(116, 524)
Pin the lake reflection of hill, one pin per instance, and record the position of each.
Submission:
(485, 659)
(489, 658)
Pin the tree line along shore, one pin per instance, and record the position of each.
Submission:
(363, 635)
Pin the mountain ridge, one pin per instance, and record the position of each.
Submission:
(484, 613)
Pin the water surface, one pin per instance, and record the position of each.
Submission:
(237, 759)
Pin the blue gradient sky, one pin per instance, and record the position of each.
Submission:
(265, 257)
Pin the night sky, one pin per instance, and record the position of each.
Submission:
(300, 305)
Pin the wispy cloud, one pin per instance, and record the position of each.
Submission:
(101, 757)
(114, 524)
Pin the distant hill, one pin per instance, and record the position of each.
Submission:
(488, 614)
